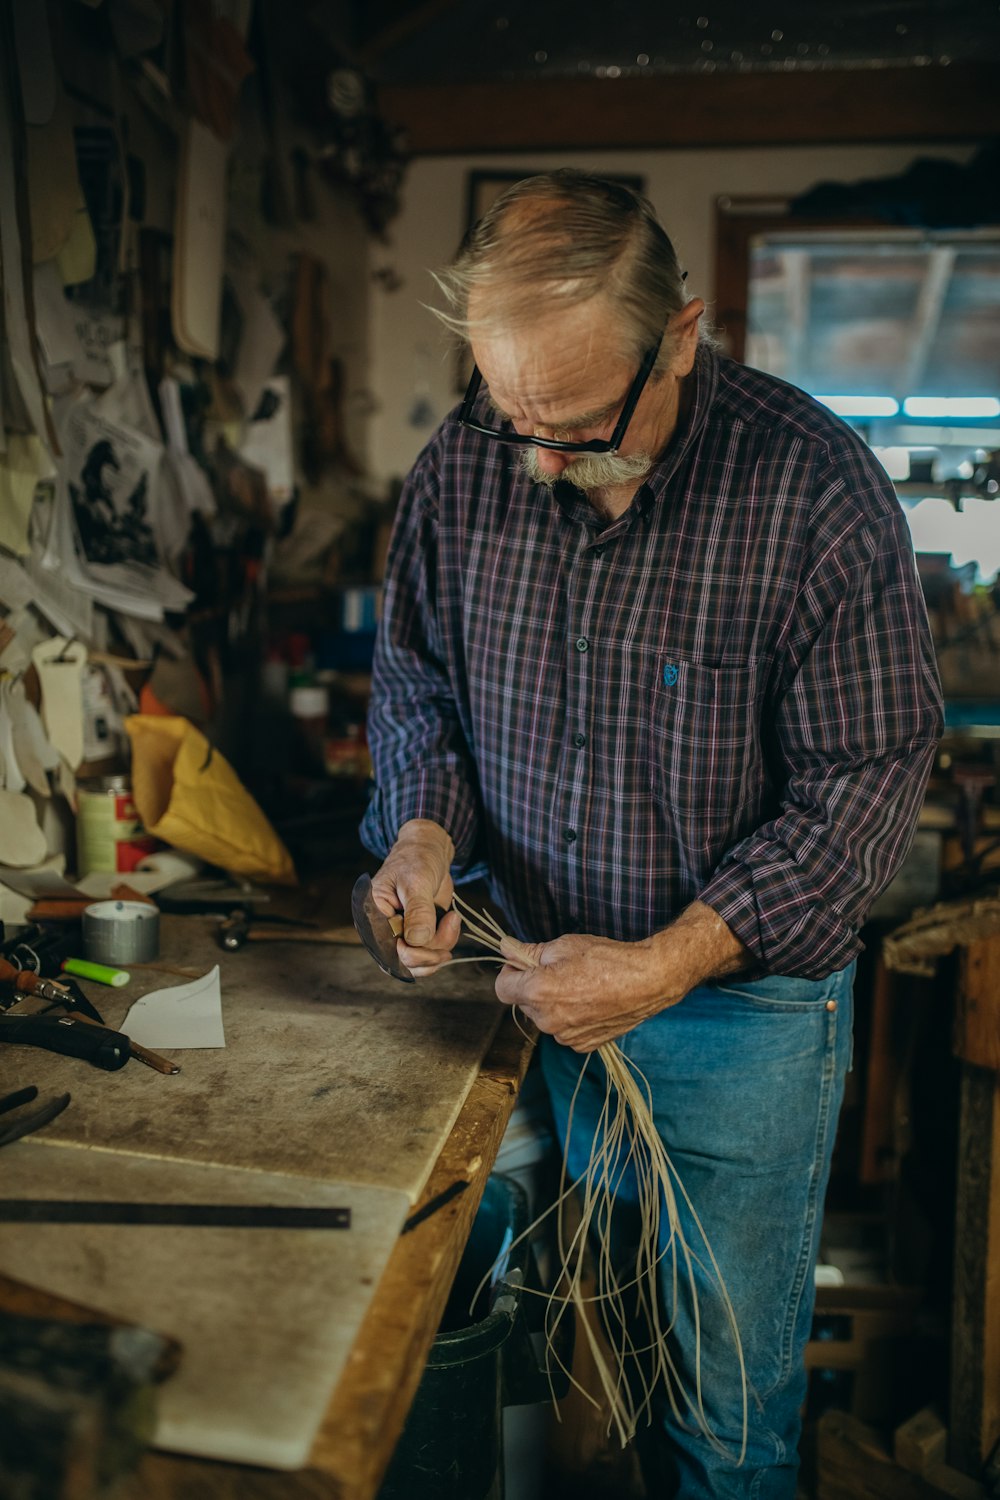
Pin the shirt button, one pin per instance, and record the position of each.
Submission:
(582, 644)
(571, 835)
(597, 551)
(579, 740)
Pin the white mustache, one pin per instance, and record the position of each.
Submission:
(590, 471)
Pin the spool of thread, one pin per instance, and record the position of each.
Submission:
(121, 932)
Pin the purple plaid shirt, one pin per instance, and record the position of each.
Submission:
(728, 694)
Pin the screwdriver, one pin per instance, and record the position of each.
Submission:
(29, 983)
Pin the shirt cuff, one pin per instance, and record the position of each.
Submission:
(787, 932)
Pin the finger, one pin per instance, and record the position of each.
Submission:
(518, 986)
(439, 945)
(449, 930)
(385, 895)
(580, 1045)
(419, 922)
(427, 971)
(422, 957)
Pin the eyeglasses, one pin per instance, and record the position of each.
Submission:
(528, 440)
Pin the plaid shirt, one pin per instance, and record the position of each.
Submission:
(728, 694)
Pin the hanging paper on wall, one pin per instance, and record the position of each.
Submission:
(262, 339)
(54, 195)
(103, 536)
(267, 443)
(17, 328)
(24, 465)
(111, 475)
(199, 233)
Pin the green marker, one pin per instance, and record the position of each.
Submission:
(84, 969)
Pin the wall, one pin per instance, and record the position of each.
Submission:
(412, 368)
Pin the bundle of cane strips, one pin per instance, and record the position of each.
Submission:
(626, 1141)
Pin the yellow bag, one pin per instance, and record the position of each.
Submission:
(187, 794)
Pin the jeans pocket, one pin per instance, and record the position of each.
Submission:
(778, 992)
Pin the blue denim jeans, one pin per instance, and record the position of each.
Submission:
(747, 1079)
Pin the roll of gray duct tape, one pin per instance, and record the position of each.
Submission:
(121, 932)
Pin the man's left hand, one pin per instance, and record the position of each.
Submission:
(585, 990)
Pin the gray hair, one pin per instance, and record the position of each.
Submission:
(556, 240)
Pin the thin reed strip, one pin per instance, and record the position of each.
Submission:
(626, 1141)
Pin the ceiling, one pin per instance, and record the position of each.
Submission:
(436, 42)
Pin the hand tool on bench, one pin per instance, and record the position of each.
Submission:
(72, 1036)
(143, 1054)
(53, 1001)
(79, 1036)
(57, 992)
(209, 1215)
(242, 926)
(27, 1121)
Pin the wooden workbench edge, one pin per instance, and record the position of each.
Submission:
(367, 1410)
(366, 1415)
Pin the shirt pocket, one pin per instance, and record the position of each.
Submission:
(706, 764)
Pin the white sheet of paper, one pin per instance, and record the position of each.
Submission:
(56, 597)
(261, 342)
(185, 1015)
(60, 664)
(15, 585)
(44, 880)
(98, 883)
(199, 239)
(21, 840)
(267, 443)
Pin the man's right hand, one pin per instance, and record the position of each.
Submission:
(415, 880)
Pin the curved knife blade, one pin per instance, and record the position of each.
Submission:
(375, 932)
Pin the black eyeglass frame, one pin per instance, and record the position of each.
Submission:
(594, 445)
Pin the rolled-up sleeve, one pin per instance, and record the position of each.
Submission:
(851, 733)
(420, 757)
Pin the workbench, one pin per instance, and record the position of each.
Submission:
(338, 1086)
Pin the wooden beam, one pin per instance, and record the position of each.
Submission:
(976, 1024)
(957, 103)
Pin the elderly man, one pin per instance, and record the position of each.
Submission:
(654, 653)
